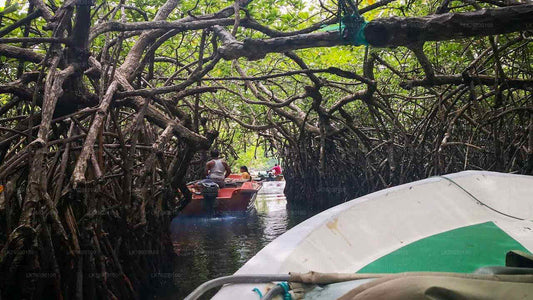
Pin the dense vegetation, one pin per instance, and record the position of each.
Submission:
(107, 110)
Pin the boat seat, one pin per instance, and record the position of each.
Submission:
(516, 258)
(495, 270)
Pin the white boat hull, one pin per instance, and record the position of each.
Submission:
(348, 237)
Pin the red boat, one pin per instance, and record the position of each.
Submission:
(235, 196)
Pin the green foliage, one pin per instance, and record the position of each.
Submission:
(254, 158)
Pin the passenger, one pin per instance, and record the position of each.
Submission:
(245, 175)
(276, 169)
(217, 169)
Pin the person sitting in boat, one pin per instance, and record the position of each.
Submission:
(245, 175)
(276, 170)
(217, 169)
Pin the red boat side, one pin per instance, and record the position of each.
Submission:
(229, 199)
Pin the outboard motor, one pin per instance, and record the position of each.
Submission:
(210, 193)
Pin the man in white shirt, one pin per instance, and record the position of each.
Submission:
(217, 169)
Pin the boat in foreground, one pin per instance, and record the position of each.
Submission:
(455, 223)
(236, 196)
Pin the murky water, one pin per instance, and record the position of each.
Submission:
(210, 248)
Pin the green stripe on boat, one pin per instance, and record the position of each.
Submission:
(460, 250)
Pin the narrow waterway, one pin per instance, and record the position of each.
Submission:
(210, 248)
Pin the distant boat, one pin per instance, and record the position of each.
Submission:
(272, 187)
(454, 223)
(236, 196)
(269, 176)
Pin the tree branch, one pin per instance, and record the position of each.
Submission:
(394, 32)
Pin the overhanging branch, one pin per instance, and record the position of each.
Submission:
(394, 32)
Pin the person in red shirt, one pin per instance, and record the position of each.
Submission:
(276, 169)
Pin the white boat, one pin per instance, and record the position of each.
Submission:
(272, 187)
(452, 223)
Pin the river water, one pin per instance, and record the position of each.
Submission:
(210, 248)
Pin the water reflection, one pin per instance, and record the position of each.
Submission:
(209, 248)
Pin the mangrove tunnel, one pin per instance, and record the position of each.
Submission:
(109, 108)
